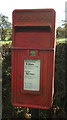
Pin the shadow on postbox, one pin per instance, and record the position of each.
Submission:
(33, 56)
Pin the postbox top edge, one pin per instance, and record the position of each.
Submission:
(37, 10)
(33, 17)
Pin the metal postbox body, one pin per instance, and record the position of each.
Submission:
(33, 53)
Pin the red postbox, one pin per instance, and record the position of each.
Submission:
(33, 53)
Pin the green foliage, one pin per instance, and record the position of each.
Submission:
(66, 30)
(5, 27)
(4, 22)
(60, 73)
(61, 32)
(6, 83)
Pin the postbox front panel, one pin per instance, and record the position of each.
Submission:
(33, 58)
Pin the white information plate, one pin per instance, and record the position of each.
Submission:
(32, 74)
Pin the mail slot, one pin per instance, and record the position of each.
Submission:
(33, 56)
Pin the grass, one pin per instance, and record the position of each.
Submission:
(61, 40)
(5, 42)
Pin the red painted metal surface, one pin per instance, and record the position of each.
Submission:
(33, 30)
